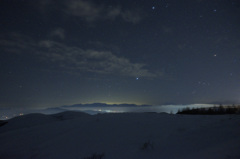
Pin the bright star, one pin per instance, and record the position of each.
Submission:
(137, 78)
(153, 7)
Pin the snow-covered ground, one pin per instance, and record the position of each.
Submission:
(76, 135)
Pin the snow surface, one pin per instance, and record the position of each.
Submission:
(76, 135)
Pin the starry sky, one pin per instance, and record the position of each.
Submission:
(154, 52)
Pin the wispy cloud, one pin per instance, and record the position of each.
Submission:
(90, 60)
(59, 33)
(85, 9)
(74, 59)
(90, 11)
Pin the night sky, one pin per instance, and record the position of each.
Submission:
(154, 52)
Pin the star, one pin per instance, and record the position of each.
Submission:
(137, 78)
(153, 7)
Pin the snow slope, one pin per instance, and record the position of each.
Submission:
(76, 135)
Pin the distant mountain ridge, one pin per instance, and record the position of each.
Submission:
(104, 105)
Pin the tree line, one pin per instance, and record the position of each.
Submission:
(216, 110)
